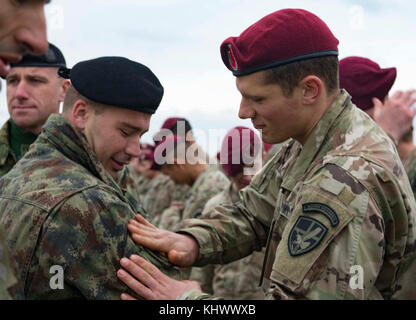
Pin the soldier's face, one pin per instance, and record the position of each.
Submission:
(277, 117)
(22, 28)
(33, 93)
(179, 173)
(114, 135)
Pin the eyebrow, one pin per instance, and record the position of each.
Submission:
(125, 124)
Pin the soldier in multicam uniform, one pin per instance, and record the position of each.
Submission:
(160, 189)
(205, 181)
(239, 279)
(369, 86)
(60, 204)
(138, 168)
(22, 28)
(34, 91)
(334, 207)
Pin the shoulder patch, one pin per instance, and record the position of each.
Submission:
(323, 208)
(306, 234)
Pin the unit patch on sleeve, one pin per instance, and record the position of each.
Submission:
(306, 234)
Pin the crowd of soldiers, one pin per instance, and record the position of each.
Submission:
(329, 186)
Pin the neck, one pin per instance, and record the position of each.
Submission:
(196, 171)
(319, 110)
(405, 148)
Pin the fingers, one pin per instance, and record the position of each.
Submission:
(148, 267)
(142, 220)
(142, 283)
(126, 296)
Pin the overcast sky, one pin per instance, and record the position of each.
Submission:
(179, 40)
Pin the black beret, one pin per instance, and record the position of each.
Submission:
(116, 81)
(53, 57)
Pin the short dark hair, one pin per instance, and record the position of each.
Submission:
(72, 95)
(289, 75)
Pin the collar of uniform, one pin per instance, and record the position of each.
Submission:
(234, 193)
(4, 142)
(74, 145)
(313, 145)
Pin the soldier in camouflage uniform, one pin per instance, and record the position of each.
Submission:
(369, 86)
(22, 27)
(204, 182)
(334, 207)
(160, 190)
(34, 91)
(60, 205)
(237, 280)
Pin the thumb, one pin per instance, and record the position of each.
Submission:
(378, 105)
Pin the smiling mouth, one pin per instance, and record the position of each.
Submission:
(118, 165)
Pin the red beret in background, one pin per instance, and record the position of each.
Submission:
(279, 38)
(237, 142)
(364, 80)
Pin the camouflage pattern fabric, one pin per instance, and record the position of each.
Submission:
(410, 166)
(238, 280)
(162, 190)
(209, 183)
(272, 151)
(135, 182)
(337, 216)
(7, 157)
(61, 209)
(7, 278)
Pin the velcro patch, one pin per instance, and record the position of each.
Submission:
(323, 208)
(305, 235)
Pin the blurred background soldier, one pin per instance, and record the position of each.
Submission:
(369, 86)
(187, 168)
(237, 280)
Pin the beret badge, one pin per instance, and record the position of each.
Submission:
(231, 58)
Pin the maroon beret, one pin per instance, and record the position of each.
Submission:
(279, 38)
(173, 125)
(238, 144)
(364, 80)
(164, 147)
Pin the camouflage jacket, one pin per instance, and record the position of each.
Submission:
(208, 184)
(273, 150)
(162, 190)
(61, 210)
(7, 157)
(410, 166)
(238, 280)
(337, 216)
(7, 278)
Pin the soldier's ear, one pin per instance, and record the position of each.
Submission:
(80, 113)
(65, 84)
(311, 87)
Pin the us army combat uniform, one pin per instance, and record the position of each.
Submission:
(336, 209)
(162, 190)
(238, 280)
(410, 166)
(208, 184)
(7, 157)
(59, 207)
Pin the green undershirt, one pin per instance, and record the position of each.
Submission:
(20, 139)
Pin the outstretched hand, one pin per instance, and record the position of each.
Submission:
(182, 250)
(395, 116)
(149, 282)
